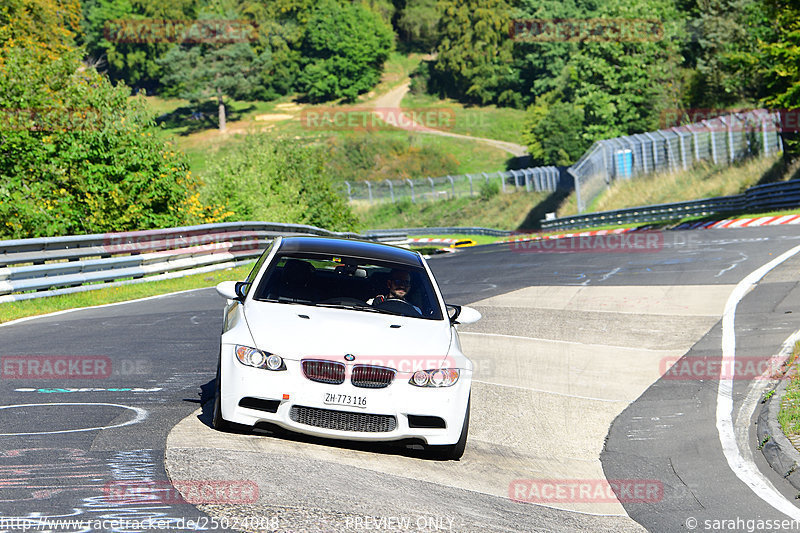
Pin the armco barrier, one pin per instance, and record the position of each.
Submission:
(773, 196)
(450, 230)
(60, 265)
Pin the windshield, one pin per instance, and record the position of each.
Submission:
(350, 283)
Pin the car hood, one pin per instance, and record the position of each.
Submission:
(330, 333)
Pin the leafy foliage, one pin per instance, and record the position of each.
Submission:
(135, 63)
(207, 71)
(344, 49)
(277, 180)
(555, 132)
(417, 24)
(781, 66)
(51, 24)
(78, 156)
(474, 52)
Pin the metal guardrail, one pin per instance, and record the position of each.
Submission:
(773, 196)
(452, 230)
(60, 265)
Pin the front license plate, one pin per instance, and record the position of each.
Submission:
(332, 398)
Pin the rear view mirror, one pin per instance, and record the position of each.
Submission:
(461, 314)
(233, 290)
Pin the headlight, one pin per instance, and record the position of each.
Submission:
(439, 377)
(258, 359)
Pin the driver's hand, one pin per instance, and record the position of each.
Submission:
(378, 299)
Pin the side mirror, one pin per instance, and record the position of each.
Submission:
(462, 314)
(232, 290)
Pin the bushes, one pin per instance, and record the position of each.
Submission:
(489, 189)
(78, 156)
(261, 178)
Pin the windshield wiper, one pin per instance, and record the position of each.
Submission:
(285, 300)
(350, 306)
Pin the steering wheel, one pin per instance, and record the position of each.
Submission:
(395, 305)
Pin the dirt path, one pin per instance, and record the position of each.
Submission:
(388, 109)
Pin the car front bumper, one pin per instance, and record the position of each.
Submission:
(304, 406)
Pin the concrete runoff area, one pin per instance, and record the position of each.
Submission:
(542, 405)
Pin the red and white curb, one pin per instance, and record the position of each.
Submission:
(742, 222)
(432, 240)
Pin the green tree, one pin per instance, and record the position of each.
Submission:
(554, 132)
(78, 155)
(211, 71)
(475, 52)
(417, 24)
(723, 33)
(344, 48)
(50, 24)
(781, 67)
(113, 42)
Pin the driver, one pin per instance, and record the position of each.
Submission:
(399, 283)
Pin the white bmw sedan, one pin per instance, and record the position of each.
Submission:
(344, 339)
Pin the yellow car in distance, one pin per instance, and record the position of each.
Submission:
(463, 243)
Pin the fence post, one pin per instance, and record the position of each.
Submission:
(764, 135)
(696, 145)
(683, 148)
(578, 199)
(654, 150)
(433, 188)
(391, 189)
(644, 157)
(470, 184)
(452, 185)
(713, 142)
(349, 191)
(502, 180)
(369, 190)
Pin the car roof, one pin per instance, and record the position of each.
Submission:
(350, 248)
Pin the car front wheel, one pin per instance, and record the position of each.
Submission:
(453, 452)
(217, 421)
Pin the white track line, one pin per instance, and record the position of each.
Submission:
(745, 470)
(73, 309)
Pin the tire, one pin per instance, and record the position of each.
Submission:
(217, 421)
(454, 452)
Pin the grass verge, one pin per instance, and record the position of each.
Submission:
(40, 306)
(789, 413)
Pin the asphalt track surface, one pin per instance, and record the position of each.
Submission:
(68, 446)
